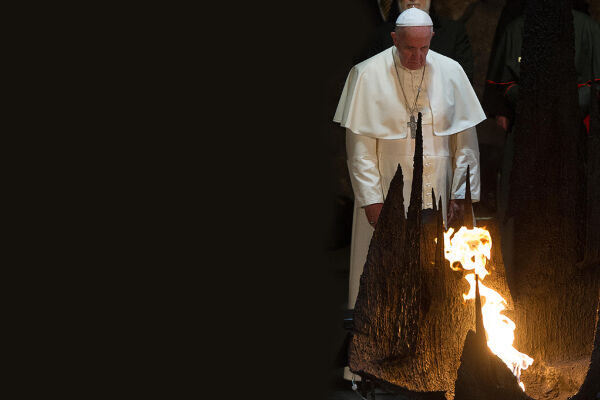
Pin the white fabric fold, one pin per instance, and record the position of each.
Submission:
(466, 153)
(372, 102)
(364, 176)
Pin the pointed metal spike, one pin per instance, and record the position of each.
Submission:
(479, 328)
(468, 211)
(416, 195)
(441, 213)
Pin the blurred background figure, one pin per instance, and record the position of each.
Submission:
(502, 91)
(450, 37)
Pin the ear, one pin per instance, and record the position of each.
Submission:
(432, 33)
(393, 34)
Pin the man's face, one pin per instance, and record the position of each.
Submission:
(422, 4)
(412, 43)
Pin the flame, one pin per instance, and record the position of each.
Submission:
(471, 248)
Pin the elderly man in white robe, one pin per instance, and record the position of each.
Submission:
(379, 106)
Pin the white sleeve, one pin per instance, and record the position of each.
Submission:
(363, 167)
(466, 153)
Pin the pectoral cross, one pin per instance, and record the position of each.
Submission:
(412, 124)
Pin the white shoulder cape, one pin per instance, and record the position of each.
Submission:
(371, 102)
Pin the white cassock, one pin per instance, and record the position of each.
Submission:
(372, 109)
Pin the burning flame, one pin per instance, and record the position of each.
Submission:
(471, 248)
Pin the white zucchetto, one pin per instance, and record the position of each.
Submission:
(414, 17)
